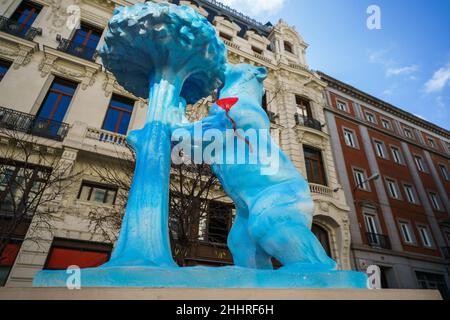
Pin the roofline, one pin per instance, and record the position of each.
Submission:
(361, 95)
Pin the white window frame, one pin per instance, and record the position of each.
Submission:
(410, 193)
(341, 105)
(380, 150)
(425, 236)
(370, 117)
(397, 155)
(405, 228)
(371, 223)
(435, 201)
(444, 172)
(388, 122)
(419, 163)
(431, 142)
(361, 179)
(408, 133)
(350, 142)
(393, 189)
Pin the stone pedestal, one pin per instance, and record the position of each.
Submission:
(213, 294)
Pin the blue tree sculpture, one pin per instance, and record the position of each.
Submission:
(165, 53)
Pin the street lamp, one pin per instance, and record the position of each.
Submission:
(374, 177)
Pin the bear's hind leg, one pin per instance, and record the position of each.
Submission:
(246, 253)
(290, 241)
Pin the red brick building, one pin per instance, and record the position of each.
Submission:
(394, 169)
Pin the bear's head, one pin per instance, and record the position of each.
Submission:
(244, 81)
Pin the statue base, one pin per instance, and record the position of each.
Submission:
(202, 277)
(164, 294)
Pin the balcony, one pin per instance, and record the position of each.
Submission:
(19, 30)
(27, 123)
(320, 189)
(308, 122)
(378, 240)
(106, 136)
(76, 49)
(446, 252)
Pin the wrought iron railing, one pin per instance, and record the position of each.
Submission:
(308, 122)
(239, 15)
(76, 49)
(378, 240)
(27, 123)
(19, 29)
(446, 252)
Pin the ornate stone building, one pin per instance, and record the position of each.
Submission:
(50, 74)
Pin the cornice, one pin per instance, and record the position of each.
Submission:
(373, 101)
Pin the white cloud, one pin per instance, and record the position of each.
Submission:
(401, 71)
(390, 66)
(256, 8)
(439, 80)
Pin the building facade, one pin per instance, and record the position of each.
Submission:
(55, 90)
(394, 168)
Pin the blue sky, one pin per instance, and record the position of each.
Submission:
(406, 63)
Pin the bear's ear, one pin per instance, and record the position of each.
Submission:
(261, 73)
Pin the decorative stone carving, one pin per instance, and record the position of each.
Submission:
(84, 73)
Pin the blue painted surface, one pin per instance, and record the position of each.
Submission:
(203, 277)
(176, 54)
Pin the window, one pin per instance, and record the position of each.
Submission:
(379, 148)
(397, 155)
(432, 143)
(406, 232)
(349, 138)
(342, 106)
(408, 133)
(288, 47)
(392, 188)
(323, 237)
(420, 164)
(435, 201)
(4, 66)
(360, 179)
(303, 107)
(434, 282)
(85, 41)
(25, 15)
(118, 115)
(444, 172)
(410, 194)
(219, 221)
(7, 258)
(370, 117)
(99, 193)
(225, 36)
(21, 185)
(386, 124)
(257, 50)
(371, 224)
(425, 236)
(57, 101)
(65, 253)
(314, 166)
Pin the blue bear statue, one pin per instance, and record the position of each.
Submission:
(274, 211)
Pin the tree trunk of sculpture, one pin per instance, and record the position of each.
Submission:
(144, 239)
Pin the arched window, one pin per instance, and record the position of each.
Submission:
(322, 235)
(288, 47)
